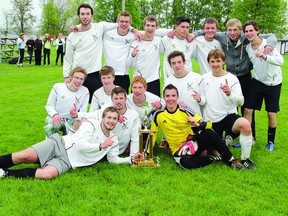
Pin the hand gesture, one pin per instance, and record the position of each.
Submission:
(226, 88)
(260, 54)
(108, 142)
(196, 96)
(74, 111)
(135, 51)
(192, 120)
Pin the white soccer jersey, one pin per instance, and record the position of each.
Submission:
(126, 132)
(171, 45)
(268, 72)
(100, 97)
(84, 48)
(150, 98)
(186, 86)
(147, 61)
(200, 53)
(116, 49)
(61, 100)
(217, 105)
(83, 146)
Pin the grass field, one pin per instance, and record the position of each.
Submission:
(105, 189)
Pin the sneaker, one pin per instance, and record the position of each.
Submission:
(236, 164)
(236, 145)
(3, 173)
(248, 164)
(228, 140)
(270, 146)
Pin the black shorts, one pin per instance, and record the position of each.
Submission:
(258, 92)
(226, 125)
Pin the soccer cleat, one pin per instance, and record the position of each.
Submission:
(248, 164)
(215, 158)
(236, 145)
(270, 146)
(228, 140)
(3, 173)
(236, 164)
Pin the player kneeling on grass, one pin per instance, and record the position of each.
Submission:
(56, 155)
(188, 135)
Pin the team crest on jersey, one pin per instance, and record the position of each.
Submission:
(128, 41)
(124, 125)
(190, 86)
(156, 47)
(164, 121)
(95, 37)
(187, 49)
(77, 100)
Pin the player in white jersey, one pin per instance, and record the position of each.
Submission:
(186, 82)
(267, 80)
(220, 94)
(84, 48)
(141, 100)
(116, 44)
(61, 99)
(204, 44)
(92, 142)
(127, 128)
(103, 95)
(178, 43)
(145, 56)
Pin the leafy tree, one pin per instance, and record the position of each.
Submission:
(271, 15)
(50, 19)
(107, 10)
(22, 19)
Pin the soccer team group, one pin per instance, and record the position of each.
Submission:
(198, 114)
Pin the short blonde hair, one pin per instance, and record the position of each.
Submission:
(233, 22)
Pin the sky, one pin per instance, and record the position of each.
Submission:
(6, 5)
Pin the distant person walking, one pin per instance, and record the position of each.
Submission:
(60, 43)
(38, 50)
(30, 44)
(21, 48)
(47, 48)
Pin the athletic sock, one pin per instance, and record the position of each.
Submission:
(271, 134)
(22, 173)
(246, 144)
(6, 161)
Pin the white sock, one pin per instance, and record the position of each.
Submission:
(246, 144)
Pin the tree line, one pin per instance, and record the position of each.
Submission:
(58, 15)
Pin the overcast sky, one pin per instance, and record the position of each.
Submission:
(6, 5)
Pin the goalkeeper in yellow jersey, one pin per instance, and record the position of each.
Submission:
(188, 135)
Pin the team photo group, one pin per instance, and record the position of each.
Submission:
(199, 116)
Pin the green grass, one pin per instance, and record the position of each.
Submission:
(105, 189)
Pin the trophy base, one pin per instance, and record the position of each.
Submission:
(146, 164)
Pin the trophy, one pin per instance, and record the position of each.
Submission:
(146, 163)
